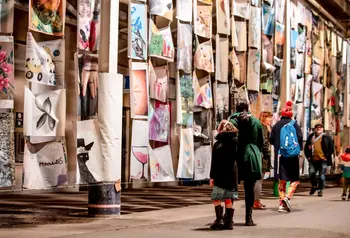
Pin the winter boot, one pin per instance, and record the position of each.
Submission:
(228, 219)
(248, 217)
(218, 223)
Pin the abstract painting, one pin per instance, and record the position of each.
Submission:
(267, 18)
(44, 113)
(45, 166)
(47, 16)
(159, 122)
(187, 96)
(161, 42)
(202, 94)
(240, 8)
(139, 90)
(241, 28)
(163, 8)
(161, 163)
(253, 76)
(89, 19)
(223, 16)
(307, 90)
(7, 150)
(137, 43)
(185, 167)
(158, 80)
(202, 162)
(184, 47)
(254, 38)
(139, 150)
(221, 102)
(89, 155)
(222, 49)
(299, 90)
(203, 57)
(6, 16)
(7, 83)
(180, 13)
(203, 21)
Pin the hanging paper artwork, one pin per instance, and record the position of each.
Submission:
(280, 10)
(279, 40)
(6, 72)
(316, 69)
(223, 16)
(307, 91)
(254, 38)
(161, 42)
(202, 162)
(89, 155)
(267, 103)
(139, 150)
(267, 52)
(240, 8)
(159, 122)
(241, 28)
(308, 57)
(298, 111)
(47, 16)
(7, 150)
(234, 36)
(161, 164)
(186, 155)
(253, 78)
(45, 113)
(293, 51)
(299, 92)
(206, 1)
(203, 57)
(267, 19)
(137, 42)
(172, 89)
(158, 79)
(242, 61)
(184, 47)
(163, 8)
(277, 78)
(187, 96)
(203, 127)
(236, 68)
(221, 102)
(181, 14)
(222, 48)
(138, 90)
(45, 166)
(203, 21)
(266, 77)
(89, 19)
(6, 16)
(317, 100)
(255, 104)
(202, 94)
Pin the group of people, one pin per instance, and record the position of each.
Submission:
(242, 152)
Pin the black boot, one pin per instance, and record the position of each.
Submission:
(248, 217)
(228, 219)
(218, 223)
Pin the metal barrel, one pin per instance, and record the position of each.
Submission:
(103, 200)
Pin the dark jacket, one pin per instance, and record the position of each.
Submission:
(224, 155)
(327, 148)
(266, 150)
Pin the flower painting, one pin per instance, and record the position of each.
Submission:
(161, 42)
(138, 38)
(6, 68)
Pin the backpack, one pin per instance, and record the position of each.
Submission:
(289, 145)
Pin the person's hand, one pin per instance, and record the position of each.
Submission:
(211, 182)
(90, 78)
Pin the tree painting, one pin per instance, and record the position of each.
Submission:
(187, 94)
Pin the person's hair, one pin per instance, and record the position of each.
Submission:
(264, 115)
(347, 150)
(226, 126)
(242, 105)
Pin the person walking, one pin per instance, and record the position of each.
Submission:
(318, 151)
(250, 142)
(223, 173)
(345, 167)
(287, 138)
(265, 120)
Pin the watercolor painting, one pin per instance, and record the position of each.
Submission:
(279, 40)
(7, 150)
(202, 94)
(254, 37)
(139, 90)
(253, 78)
(203, 23)
(186, 155)
(241, 8)
(222, 53)
(163, 8)
(317, 94)
(137, 44)
(182, 15)
(6, 16)
(159, 122)
(241, 29)
(158, 80)
(276, 90)
(184, 47)
(203, 57)
(187, 96)
(47, 16)
(7, 80)
(221, 102)
(202, 162)
(267, 20)
(223, 17)
(161, 164)
(161, 42)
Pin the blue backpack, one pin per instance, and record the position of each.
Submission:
(289, 145)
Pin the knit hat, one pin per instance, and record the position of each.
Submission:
(287, 110)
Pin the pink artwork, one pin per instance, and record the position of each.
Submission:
(202, 94)
(158, 82)
(203, 58)
(159, 122)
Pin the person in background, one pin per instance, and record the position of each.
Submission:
(223, 174)
(318, 151)
(250, 143)
(345, 167)
(286, 134)
(265, 120)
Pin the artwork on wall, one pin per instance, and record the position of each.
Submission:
(203, 57)
(89, 18)
(307, 91)
(279, 40)
(267, 102)
(222, 48)
(202, 94)
(186, 100)
(267, 49)
(45, 113)
(241, 28)
(159, 122)
(161, 42)
(267, 20)
(203, 21)
(202, 127)
(47, 16)
(161, 164)
(266, 77)
(45, 166)
(89, 155)
(158, 80)
(139, 90)
(277, 78)
(180, 13)
(137, 42)
(299, 90)
(223, 16)
(7, 150)
(280, 10)
(7, 86)
(184, 47)
(139, 150)
(242, 61)
(221, 102)
(254, 38)
(202, 162)
(172, 89)
(163, 8)
(186, 155)
(235, 66)
(6, 16)
(253, 78)
(240, 8)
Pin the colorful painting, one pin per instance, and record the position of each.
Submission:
(187, 96)
(222, 49)
(45, 113)
(139, 150)
(137, 44)
(45, 166)
(47, 16)
(240, 8)
(182, 15)
(184, 47)
(221, 102)
(307, 91)
(202, 163)
(7, 150)
(161, 163)
(202, 94)
(158, 79)
(159, 122)
(279, 40)
(203, 24)
(7, 83)
(163, 8)
(161, 42)
(223, 16)
(254, 38)
(139, 90)
(6, 16)
(89, 19)
(267, 12)
(241, 28)
(203, 57)
(253, 78)
(186, 156)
